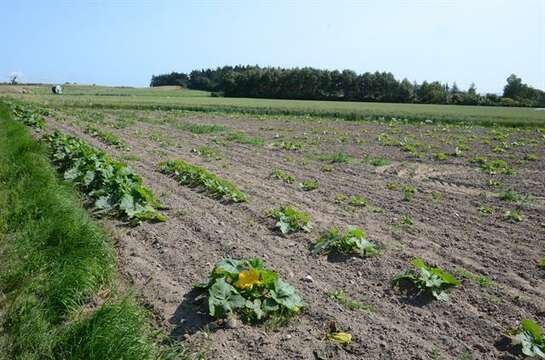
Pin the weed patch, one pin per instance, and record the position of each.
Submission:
(340, 297)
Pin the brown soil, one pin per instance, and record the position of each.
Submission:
(164, 260)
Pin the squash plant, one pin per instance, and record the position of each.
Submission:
(426, 279)
(530, 337)
(352, 241)
(289, 220)
(309, 184)
(114, 187)
(247, 288)
(195, 176)
(27, 116)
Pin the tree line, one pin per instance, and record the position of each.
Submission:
(315, 84)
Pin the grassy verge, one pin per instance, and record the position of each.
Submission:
(58, 298)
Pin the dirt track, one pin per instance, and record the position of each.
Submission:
(165, 260)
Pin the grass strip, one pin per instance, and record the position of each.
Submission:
(54, 263)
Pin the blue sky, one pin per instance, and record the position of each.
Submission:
(125, 42)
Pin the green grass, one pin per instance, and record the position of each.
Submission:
(337, 158)
(340, 297)
(242, 138)
(379, 162)
(541, 263)
(166, 99)
(53, 261)
(483, 281)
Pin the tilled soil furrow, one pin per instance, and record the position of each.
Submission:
(164, 260)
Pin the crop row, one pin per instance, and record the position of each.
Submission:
(114, 187)
(195, 176)
(28, 116)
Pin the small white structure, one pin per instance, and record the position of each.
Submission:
(57, 89)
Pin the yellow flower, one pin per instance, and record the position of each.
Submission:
(247, 279)
(341, 338)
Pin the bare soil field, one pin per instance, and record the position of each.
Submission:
(455, 219)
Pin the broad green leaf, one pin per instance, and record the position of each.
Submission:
(229, 266)
(255, 306)
(223, 299)
(284, 294)
(103, 202)
(71, 174)
(127, 204)
(283, 226)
